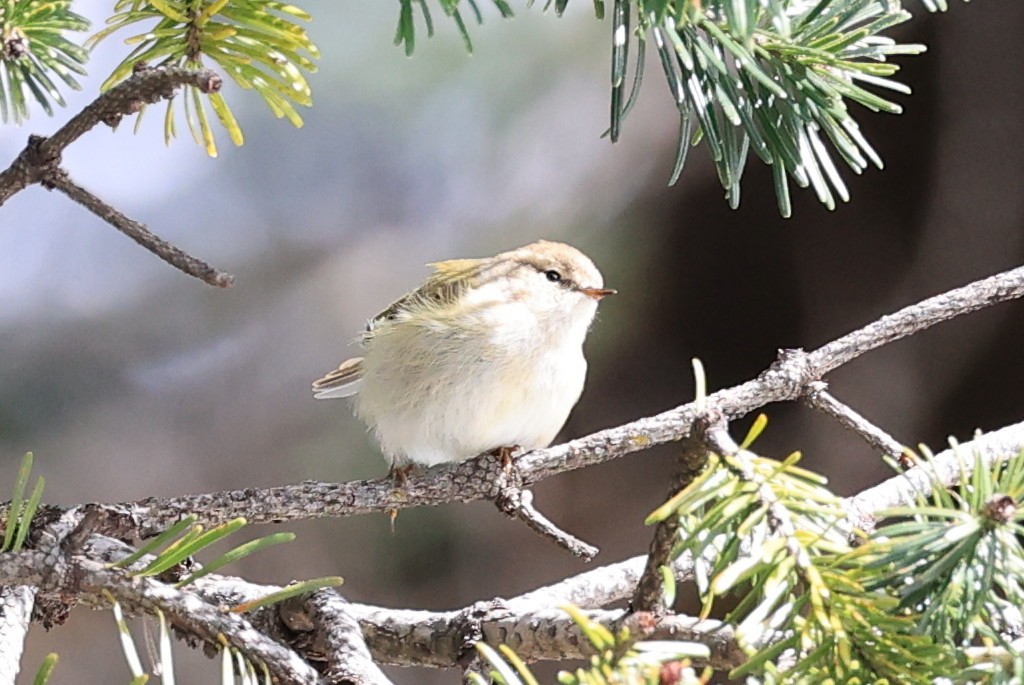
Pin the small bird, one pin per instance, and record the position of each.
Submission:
(485, 356)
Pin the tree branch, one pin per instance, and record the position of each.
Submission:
(819, 398)
(82, 578)
(176, 257)
(424, 638)
(527, 622)
(650, 588)
(791, 377)
(16, 602)
(334, 635)
(40, 161)
(944, 468)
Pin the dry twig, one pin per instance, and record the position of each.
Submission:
(40, 161)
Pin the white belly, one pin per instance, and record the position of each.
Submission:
(433, 397)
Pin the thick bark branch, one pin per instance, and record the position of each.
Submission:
(944, 468)
(335, 636)
(16, 602)
(84, 578)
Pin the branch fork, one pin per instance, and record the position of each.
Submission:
(516, 502)
(40, 160)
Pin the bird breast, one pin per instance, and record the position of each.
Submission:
(439, 389)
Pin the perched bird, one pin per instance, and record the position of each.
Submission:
(486, 355)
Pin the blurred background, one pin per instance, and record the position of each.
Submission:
(128, 379)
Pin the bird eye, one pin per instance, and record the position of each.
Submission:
(553, 276)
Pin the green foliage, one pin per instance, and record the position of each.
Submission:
(33, 49)
(185, 539)
(405, 34)
(21, 511)
(902, 606)
(618, 659)
(46, 669)
(292, 590)
(255, 42)
(773, 536)
(955, 561)
(776, 77)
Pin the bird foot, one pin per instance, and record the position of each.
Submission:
(505, 453)
(399, 474)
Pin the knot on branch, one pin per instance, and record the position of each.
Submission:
(791, 372)
(38, 161)
(710, 419)
(470, 626)
(53, 178)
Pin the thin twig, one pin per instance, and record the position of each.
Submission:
(519, 504)
(174, 256)
(819, 398)
(39, 161)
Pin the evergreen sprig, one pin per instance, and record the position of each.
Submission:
(618, 658)
(955, 562)
(405, 34)
(776, 77)
(773, 77)
(255, 42)
(774, 537)
(33, 49)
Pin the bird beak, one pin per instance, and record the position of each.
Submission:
(597, 293)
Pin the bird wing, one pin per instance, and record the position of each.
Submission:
(448, 282)
(446, 285)
(342, 382)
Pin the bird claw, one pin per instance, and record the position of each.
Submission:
(399, 474)
(505, 453)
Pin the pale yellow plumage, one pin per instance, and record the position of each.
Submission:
(486, 353)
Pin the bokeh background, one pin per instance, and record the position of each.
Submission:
(128, 379)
